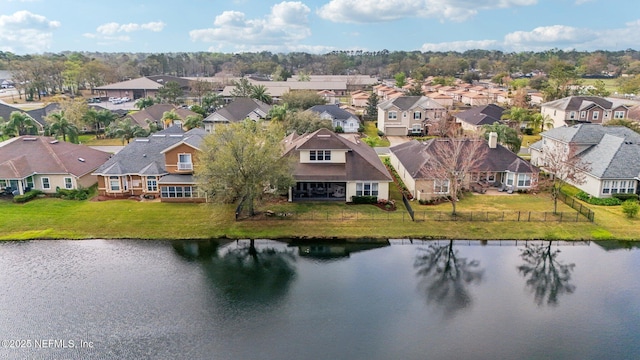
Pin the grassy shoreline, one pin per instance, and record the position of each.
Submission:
(51, 218)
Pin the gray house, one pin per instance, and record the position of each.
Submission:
(339, 117)
(237, 110)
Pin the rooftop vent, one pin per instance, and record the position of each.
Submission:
(29, 139)
(53, 142)
(142, 140)
(81, 159)
(175, 135)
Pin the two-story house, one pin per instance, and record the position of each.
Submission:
(608, 156)
(237, 110)
(583, 109)
(339, 117)
(160, 165)
(336, 167)
(409, 115)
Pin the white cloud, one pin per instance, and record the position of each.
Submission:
(24, 31)
(549, 37)
(283, 27)
(113, 27)
(368, 11)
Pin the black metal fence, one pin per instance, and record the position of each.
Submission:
(577, 206)
(502, 216)
(408, 206)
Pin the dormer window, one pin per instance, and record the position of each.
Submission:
(320, 155)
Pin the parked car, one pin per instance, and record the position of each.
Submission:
(125, 99)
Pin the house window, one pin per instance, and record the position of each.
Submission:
(524, 180)
(178, 191)
(152, 183)
(623, 186)
(366, 189)
(583, 114)
(606, 187)
(417, 115)
(30, 183)
(618, 114)
(614, 187)
(416, 129)
(441, 186)
(320, 155)
(114, 183)
(572, 115)
(596, 114)
(68, 184)
(45, 183)
(393, 115)
(184, 162)
(510, 178)
(631, 188)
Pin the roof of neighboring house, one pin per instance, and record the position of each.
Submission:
(416, 157)
(145, 156)
(481, 115)
(163, 79)
(362, 162)
(155, 112)
(577, 103)
(142, 83)
(334, 111)
(589, 134)
(410, 103)
(634, 113)
(24, 156)
(613, 157)
(240, 109)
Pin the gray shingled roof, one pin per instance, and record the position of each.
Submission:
(334, 110)
(144, 155)
(416, 156)
(481, 115)
(362, 162)
(410, 102)
(589, 133)
(240, 109)
(613, 158)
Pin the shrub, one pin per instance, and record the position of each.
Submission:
(75, 194)
(630, 208)
(30, 195)
(339, 129)
(598, 201)
(528, 131)
(364, 199)
(361, 129)
(625, 197)
(380, 133)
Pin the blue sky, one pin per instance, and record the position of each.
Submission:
(317, 26)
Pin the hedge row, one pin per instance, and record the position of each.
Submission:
(29, 195)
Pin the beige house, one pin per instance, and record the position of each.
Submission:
(46, 164)
(583, 109)
(475, 99)
(329, 166)
(409, 115)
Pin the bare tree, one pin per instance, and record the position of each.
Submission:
(452, 161)
(562, 162)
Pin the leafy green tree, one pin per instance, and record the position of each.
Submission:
(302, 122)
(516, 115)
(240, 160)
(259, 92)
(444, 80)
(193, 121)
(629, 85)
(561, 77)
(470, 76)
(59, 125)
(20, 124)
(212, 101)
(278, 112)
(540, 122)
(198, 110)
(507, 135)
(599, 89)
(303, 99)
(143, 103)
(242, 88)
(401, 79)
(170, 92)
(415, 89)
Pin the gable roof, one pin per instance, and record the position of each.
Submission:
(142, 83)
(335, 111)
(362, 162)
(26, 155)
(410, 103)
(589, 134)
(481, 115)
(417, 156)
(155, 112)
(145, 156)
(578, 103)
(240, 109)
(613, 157)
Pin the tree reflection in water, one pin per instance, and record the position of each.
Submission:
(445, 276)
(246, 273)
(547, 277)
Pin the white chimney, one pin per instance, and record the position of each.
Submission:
(493, 140)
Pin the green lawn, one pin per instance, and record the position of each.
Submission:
(371, 131)
(90, 139)
(51, 218)
(609, 84)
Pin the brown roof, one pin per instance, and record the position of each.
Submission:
(362, 162)
(24, 156)
(155, 112)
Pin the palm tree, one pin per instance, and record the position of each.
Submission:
(212, 101)
(516, 115)
(259, 92)
(20, 124)
(507, 135)
(144, 103)
(59, 125)
(193, 121)
(169, 117)
(125, 130)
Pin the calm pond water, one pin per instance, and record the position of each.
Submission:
(403, 300)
